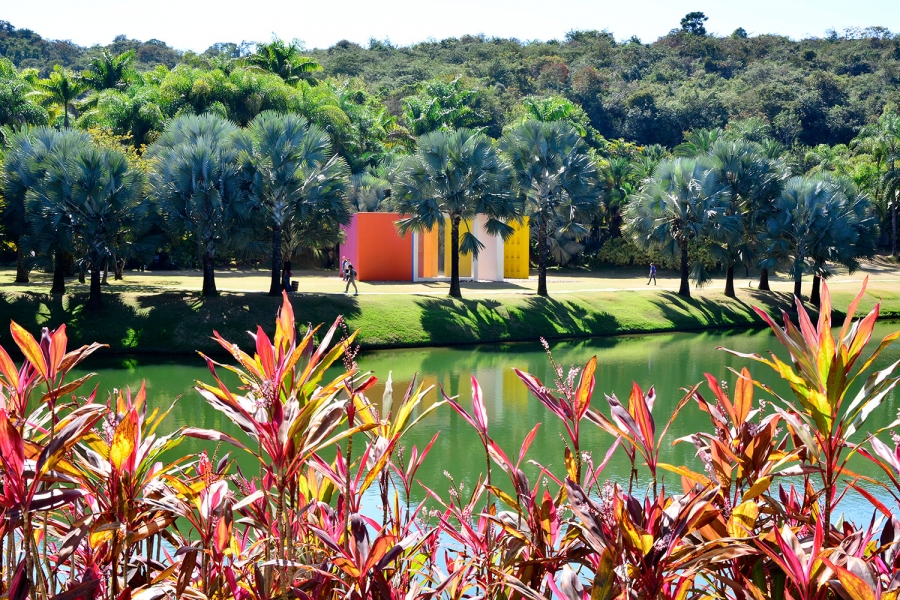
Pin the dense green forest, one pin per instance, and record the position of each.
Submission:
(813, 91)
(774, 120)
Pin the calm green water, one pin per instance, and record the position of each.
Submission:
(667, 361)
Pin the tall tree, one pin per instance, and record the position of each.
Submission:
(885, 136)
(852, 234)
(197, 181)
(618, 177)
(59, 90)
(24, 166)
(556, 178)
(17, 106)
(799, 226)
(692, 23)
(285, 60)
(369, 193)
(288, 164)
(459, 174)
(443, 104)
(682, 202)
(753, 181)
(106, 71)
(91, 197)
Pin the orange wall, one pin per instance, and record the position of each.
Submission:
(382, 254)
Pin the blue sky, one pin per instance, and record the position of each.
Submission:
(195, 25)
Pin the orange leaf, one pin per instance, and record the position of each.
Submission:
(29, 348)
(58, 340)
(743, 396)
(284, 327)
(223, 534)
(8, 368)
(722, 397)
(141, 395)
(637, 406)
(853, 584)
(585, 387)
(124, 440)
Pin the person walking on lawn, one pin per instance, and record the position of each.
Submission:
(350, 278)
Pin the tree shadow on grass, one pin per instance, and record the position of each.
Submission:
(166, 323)
(701, 312)
(448, 321)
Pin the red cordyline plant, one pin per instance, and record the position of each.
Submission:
(91, 510)
(33, 448)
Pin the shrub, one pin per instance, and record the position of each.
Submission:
(90, 510)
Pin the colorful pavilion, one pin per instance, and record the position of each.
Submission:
(380, 253)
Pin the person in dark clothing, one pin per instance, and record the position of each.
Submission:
(350, 278)
(286, 278)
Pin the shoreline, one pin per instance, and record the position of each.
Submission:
(178, 322)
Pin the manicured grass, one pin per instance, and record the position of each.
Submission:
(182, 322)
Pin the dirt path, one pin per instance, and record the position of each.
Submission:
(881, 271)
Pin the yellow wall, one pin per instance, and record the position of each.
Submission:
(515, 252)
(465, 260)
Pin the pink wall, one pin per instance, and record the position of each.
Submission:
(375, 248)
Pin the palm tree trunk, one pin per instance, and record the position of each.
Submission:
(209, 276)
(815, 298)
(615, 224)
(798, 279)
(118, 267)
(95, 299)
(105, 272)
(729, 281)
(59, 273)
(685, 289)
(542, 259)
(894, 227)
(455, 291)
(275, 286)
(764, 280)
(21, 271)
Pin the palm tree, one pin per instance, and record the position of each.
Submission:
(285, 60)
(697, 142)
(25, 164)
(753, 181)
(556, 108)
(289, 168)
(369, 193)
(107, 72)
(557, 181)
(197, 182)
(885, 137)
(59, 90)
(17, 108)
(682, 202)
(442, 105)
(852, 233)
(617, 175)
(90, 197)
(798, 228)
(459, 174)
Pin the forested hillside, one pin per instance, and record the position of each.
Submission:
(811, 91)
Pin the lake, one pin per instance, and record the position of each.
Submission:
(669, 362)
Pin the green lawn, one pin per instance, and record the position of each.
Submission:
(182, 322)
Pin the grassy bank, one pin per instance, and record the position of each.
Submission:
(182, 322)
